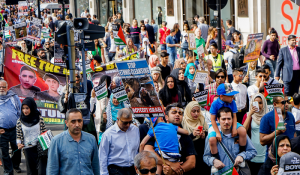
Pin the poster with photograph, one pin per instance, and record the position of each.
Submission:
(29, 76)
(191, 40)
(140, 89)
(22, 8)
(253, 47)
(200, 77)
(10, 35)
(21, 31)
(34, 30)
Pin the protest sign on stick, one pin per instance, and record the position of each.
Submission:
(202, 97)
(119, 37)
(273, 90)
(200, 77)
(253, 47)
(191, 40)
(101, 91)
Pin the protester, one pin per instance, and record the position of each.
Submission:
(165, 68)
(252, 122)
(217, 59)
(280, 146)
(203, 27)
(73, 150)
(9, 100)
(212, 37)
(110, 47)
(135, 32)
(155, 28)
(163, 33)
(296, 112)
(288, 62)
(220, 79)
(225, 118)
(260, 76)
(229, 58)
(153, 61)
(189, 74)
(230, 29)
(192, 120)
(123, 134)
(199, 42)
(187, 151)
(171, 46)
(144, 33)
(156, 76)
(145, 162)
(170, 93)
(270, 51)
(238, 43)
(130, 47)
(182, 86)
(180, 63)
(269, 80)
(267, 123)
(29, 126)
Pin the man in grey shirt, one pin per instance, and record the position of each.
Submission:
(204, 28)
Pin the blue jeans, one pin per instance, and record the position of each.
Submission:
(272, 64)
(172, 57)
(137, 46)
(163, 47)
(230, 78)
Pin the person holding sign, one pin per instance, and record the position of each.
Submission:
(190, 73)
(29, 126)
(267, 124)
(170, 93)
(200, 42)
(182, 85)
(217, 59)
(289, 63)
(280, 146)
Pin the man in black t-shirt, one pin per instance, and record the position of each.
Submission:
(230, 29)
(119, 20)
(187, 150)
(95, 20)
(165, 68)
(135, 32)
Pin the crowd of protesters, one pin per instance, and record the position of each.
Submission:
(190, 138)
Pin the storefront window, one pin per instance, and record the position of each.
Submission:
(142, 9)
(225, 15)
(119, 6)
(103, 15)
(159, 13)
(82, 5)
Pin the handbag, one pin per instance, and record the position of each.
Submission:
(241, 170)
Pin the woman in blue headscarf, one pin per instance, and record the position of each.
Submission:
(190, 73)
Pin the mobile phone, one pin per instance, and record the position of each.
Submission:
(255, 103)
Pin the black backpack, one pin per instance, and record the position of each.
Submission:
(235, 62)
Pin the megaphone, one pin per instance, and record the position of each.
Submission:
(81, 23)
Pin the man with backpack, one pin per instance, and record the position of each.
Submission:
(163, 33)
(230, 57)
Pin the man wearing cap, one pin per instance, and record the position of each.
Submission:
(171, 46)
(217, 59)
(27, 79)
(51, 94)
(165, 68)
(228, 56)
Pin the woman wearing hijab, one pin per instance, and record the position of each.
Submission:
(29, 126)
(153, 61)
(251, 122)
(170, 93)
(156, 76)
(192, 119)
(190, 73)
(283, 145)
(182, 86)
(180, 63)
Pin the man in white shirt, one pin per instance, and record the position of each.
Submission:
(269, 80)
(119, 146)
(260, 75)
(241, 97)
(84, 14)
(228, 56)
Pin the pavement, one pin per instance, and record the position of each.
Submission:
(56, 129)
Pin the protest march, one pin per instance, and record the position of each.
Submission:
(142, 94)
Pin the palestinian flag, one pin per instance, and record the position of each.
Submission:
(279, 122)
(231, 171)
(119, 37)
(202, 98)
(101, 91)
(6, 24)
(273, 90)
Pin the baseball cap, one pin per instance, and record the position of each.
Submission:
(288, 162)
(226, 89)
(229, 43)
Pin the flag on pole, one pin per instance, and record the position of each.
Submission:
(279, 123)
(118, 35)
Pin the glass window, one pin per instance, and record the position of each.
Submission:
(159, 14)
(103, 8)
(142, 9)
(119, 6)
(82, 5)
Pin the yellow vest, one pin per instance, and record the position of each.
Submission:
(218, 64)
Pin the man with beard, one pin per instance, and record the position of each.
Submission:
(27, 79)
(51, 94)
(269, 80)
(10, 111)
(73, 150)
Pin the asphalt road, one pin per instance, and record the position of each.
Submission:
(56, 129)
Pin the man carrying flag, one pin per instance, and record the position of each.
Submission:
(230, 156)
(269, 122)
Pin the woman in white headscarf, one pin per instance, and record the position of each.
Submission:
(251, 122)
(192, 120)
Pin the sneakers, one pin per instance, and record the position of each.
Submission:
(18, 170)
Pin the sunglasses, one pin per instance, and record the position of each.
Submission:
(146, 171)
(263, 76)
(182, 63)
(285, 101)
(126, 123)
(220, 76)
(241, 75)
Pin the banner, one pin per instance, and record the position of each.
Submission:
(253, 47)
(101, 91)
(140, 89)
(279, 122)
(202, 97)
(29, 76)
(274, 90)
(118, 35)
(22, 8)
(34, 30)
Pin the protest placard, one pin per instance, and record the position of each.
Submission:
(34, 29)
(202, 97)
(22, 8)
(120, 93)
(140, 89)
(273, 91)
(21, 31)
(200, 77)
(45, 139)
(101, 91)
(191, 40)
(253, 47)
